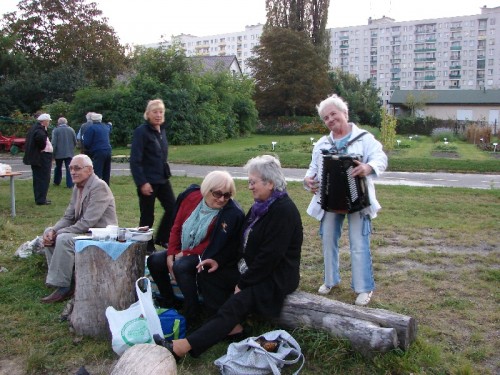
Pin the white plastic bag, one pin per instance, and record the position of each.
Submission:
(28, 248)
(137, 324)
(248, 357)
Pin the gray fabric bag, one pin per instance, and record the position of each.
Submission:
(248, 357)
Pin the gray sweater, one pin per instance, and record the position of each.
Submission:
(63, 141)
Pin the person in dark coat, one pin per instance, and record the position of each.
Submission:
(151, 172)
(270, 260)
(206, 231)
(98, 146)
(38, 154)
(64, 142)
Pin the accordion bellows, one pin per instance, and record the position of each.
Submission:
(340, 191)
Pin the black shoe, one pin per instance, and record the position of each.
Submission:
(166, 344)
(44, 203)
(237, 336)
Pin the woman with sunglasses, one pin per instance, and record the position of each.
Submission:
(270, 261)
(202, 250)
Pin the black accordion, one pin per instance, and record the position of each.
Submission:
(340, 191)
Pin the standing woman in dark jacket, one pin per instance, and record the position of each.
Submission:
(38, 154)
(203, 247)
(269, 265)
(151, 172)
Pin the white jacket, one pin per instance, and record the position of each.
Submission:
(371, 151)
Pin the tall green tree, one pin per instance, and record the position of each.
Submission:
(290, 77)
(362, 97)
(309, 16)
(66, 33)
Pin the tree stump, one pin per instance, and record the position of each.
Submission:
(100, 282)
(369, 330)
(146, 359)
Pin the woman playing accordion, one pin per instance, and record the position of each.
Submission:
(366, 160)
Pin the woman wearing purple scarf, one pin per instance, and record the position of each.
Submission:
(270, 261)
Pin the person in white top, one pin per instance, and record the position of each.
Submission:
(335, 114)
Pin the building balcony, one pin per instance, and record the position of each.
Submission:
(455, 67)
(394, 87)
(455, 76)
(395, 79)
(425, 50)
(430, 78)
(429, 87)
(344, 46)
(395, 70)
(455, 48)
(343, 37)
(454, 87)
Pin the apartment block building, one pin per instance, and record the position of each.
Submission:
(455, 53)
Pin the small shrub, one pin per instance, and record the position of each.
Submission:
(442, 134)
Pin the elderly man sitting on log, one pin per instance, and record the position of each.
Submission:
(92, 205)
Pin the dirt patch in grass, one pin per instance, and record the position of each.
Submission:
(448, 155)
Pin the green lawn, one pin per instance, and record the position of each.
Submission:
(435, 256)
(416, 155)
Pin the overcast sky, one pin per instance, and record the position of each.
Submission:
(145, 21)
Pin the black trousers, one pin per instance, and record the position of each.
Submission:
(165, 194)
(235, 310)
(215, 287)
(41, 177)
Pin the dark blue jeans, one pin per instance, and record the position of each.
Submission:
(102, 164)
(58, 172)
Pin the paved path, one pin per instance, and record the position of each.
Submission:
(474, 181)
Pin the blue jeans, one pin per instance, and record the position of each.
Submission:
(359, 241)
(58, 172)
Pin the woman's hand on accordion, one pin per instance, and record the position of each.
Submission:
(311, 184)
(361, 169)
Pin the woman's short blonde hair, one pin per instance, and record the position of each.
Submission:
(152, 105)
(218, 180)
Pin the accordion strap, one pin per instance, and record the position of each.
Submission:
(351, 141)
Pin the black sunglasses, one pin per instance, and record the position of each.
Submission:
(218, 194)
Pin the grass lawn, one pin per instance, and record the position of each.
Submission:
(419, 154)
(435, 255)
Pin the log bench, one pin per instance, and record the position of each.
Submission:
(369, 330)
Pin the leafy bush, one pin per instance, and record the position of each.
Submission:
(442, 134)
(290, 125)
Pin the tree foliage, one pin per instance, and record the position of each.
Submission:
(290, 77)
(200, 108)
(308, 16)
(66, 33)
(362, 97)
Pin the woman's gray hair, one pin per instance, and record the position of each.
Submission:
(218, 180)
(335, 100)
(268, 168)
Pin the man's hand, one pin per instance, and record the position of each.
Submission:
(49, 237)
(211, 264)
(146, 189)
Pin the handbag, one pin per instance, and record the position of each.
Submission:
(173, 324)
(261, 355)
(135, 325)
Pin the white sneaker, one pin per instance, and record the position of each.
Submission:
(364, 298)
(323, 289)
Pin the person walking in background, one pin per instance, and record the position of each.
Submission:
(38, 154)
(270, 251)
(335, 114)
(81, 132)
(97, 143)
(206, 232)
(64, 142)
(151, 172)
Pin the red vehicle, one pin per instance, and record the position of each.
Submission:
(12, 144)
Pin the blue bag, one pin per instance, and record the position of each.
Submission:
(173, 324)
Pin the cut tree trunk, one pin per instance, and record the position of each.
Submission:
(100, 282)
(369, 330)
(146, 359)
